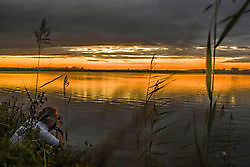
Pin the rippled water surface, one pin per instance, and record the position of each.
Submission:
(100, 86)
(101, 102)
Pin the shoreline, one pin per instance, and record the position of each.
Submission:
(195, 71)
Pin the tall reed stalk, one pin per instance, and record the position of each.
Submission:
(148, 118)
(42, 39)
(66, 102)
(203, 156)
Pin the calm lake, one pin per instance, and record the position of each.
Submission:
(102, 102)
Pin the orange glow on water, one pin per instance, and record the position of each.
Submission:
(122, 85)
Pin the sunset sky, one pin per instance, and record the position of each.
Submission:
(116, 34)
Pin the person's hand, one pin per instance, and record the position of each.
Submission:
(59, 122)
(59, 133)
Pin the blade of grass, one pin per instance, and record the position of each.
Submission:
(230, 17)
(149, 77)
(217, 4)
(197, 146)
(166, 142)
(28, 94)
(51, 81)
(160, 81)
(233, 21)
(207, 8)
(162, 128)
(211, 119)
(159, 88)
(209, 67)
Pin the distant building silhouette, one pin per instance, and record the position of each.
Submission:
(235, 70)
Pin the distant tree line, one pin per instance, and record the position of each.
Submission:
(76, 69)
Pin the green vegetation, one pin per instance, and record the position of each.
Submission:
(34, 152)
(42, 38)
(204, 154)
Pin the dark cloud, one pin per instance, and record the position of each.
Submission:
(76, 22)
(232, 53)
(126, 52)
(90, 60)
(240, 60)
(125, 57)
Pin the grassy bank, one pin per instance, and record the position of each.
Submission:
(33, 152)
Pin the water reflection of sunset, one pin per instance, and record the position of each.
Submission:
(129, 86)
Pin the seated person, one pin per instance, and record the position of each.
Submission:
(48, 120)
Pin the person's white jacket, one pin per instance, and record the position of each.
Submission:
(43, 134)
